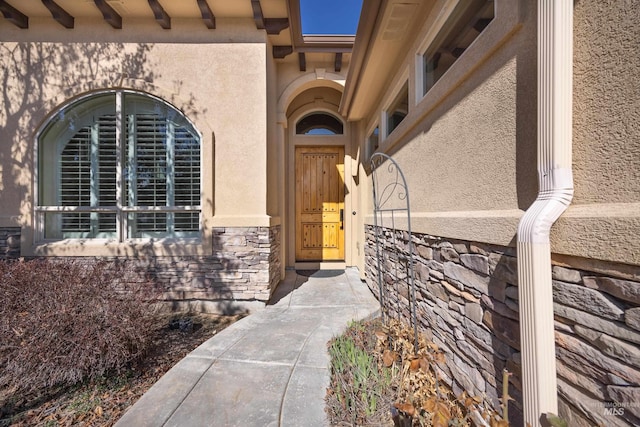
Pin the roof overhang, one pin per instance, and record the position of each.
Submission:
(381, 41)
(270, 15)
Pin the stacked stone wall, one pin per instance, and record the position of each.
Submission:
(467, 304)
(249, 257)
(240, 275)
(10, 242)
(598, 346)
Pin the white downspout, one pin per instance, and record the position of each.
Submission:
(555, 94)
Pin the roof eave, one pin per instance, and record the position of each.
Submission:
(363, 44)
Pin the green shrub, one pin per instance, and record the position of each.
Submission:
(62, 322)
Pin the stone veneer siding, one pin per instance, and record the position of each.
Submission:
(241, 274)
(10, 242)
(467, 303)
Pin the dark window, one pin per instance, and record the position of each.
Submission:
(398, 110)
(319, 124)
(464, 25)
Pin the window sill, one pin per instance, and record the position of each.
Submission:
(130, 248)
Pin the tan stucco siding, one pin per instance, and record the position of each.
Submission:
(465, 154)
(241, 144)
(461, 164)
(220, 87)
(606, 121)
(470, 156)
(603, 221)
(275, 143)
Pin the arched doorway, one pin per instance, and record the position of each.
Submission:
(319, 190)
(318, 141)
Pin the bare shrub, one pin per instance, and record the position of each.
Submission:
(62, 322)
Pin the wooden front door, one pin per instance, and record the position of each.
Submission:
(319, 197)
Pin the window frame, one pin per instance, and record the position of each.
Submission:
(124, 232)
(398, 99)
(371, 146)
(452, 11)
(402, 80)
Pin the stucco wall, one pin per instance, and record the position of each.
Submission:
(468, 147)
(606, 121)
(220, 85)
(604, 219)
(470, 153)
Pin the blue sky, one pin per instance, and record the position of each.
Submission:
(330, 16)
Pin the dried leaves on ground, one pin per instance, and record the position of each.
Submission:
(379, 379)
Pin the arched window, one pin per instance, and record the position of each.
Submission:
(118, 165)
(319, 124)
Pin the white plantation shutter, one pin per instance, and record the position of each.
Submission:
(107, 170)
(148, 160)
(165, 171)
(88, 178)
(160, 169)
(75, 180)
(186, 178)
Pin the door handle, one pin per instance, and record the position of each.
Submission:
(341, 219)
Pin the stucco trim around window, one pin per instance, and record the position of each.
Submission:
(453, 32)
(130, 158)
(372, 142)
(507, 19)
(357, 102)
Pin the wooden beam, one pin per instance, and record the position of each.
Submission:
(257, 14)
(302, 59)
(59, 14)
(160, 14)
(280, 52)
(110, 15)
(338, 62)
(13, 15)
(275, 25)
(272, 25)
(207, 15)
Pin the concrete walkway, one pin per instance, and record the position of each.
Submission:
(268, 369)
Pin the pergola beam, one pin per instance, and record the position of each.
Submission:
(273, 26)
(13, 15)
(160, 14)
(258, 17)
(280, 52)
(110, 15)
(59, 14)
(302, 59)
(207, 15)
(338, 62)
